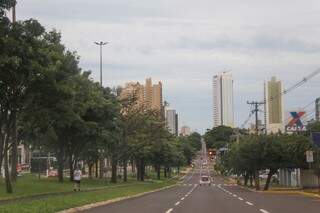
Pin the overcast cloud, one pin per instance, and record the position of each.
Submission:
(184, 43)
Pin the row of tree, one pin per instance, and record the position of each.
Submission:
(49, 103)
(254, 153)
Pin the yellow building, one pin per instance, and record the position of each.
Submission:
(147, 96)
(273, 106)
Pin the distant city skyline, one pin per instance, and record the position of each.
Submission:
(185, 48)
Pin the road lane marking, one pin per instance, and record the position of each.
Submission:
(263, 211)
(182, 198)
(177, 203)
(250, 204)
(235, 195)
(240, 198)
(169, 210)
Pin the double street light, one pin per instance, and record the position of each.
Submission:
(101, 43)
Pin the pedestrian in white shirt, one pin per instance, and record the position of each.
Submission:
(77, 178)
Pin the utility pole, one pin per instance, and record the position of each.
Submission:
(14, 13)
(101, 43)
(256, 105)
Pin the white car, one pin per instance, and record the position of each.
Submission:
(204, 180)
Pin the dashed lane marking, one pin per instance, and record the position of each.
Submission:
(240, 198)
(182, 198)
(177, 203)
(263, 211)
(235, 195)
(250, 204)
(169, 210)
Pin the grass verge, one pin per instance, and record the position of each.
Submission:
(30, 185)
(58, 203)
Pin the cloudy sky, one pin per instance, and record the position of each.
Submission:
(184, 43)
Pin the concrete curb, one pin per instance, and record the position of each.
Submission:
(308, 194)
(103, 203)
(286, 192)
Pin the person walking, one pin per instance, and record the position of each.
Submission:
(77, 178)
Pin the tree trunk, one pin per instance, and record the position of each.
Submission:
(97, 168)
(133, 170)
(71, 168)
(125, 171)
(6, 172)
(257, 180)
(271, 172)
(169, 172)
(90, 165)
(165, 172)
(101, 167)
(251, 179)
(114, 170)
(138, 170)
(246, 179)
(14, 153)
(158, 167)
(143, 170)
(60, 166)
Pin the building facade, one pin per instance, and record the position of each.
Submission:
(223, 108)
(274, 114)
(185, 131)
(146, 96)
(318, 109)
(172, 121)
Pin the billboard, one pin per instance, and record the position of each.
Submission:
(316, 138)
(296, 122)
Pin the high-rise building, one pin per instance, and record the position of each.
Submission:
(171, 121)
(147, 96)
(157, 97)
(135, 92)
(185, 131)
(223, 112)
(148, 93)
(318, 109)
(274, 113)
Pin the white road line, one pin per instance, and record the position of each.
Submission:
(169, 210)
(263, 211)
(182, 198)
(177, 203)
(250, 204)
(235, 196)
(240, 198)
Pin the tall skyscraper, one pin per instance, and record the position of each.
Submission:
(172, 121)
(223, 112)
(318, 109)
(274, 114)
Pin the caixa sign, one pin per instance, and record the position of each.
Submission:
(295, 123)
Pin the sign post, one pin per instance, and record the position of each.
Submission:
(309, 155)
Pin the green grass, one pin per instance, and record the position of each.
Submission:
(29, 184)
(58, 203)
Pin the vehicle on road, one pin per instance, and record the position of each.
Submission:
(205, 180)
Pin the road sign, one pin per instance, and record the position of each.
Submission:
(309, 155)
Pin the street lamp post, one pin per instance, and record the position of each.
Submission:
(101, 43)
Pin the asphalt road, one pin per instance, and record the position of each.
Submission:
(190, 197)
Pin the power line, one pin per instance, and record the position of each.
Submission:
(284, 92)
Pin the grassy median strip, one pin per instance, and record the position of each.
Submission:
(57, 203)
